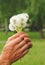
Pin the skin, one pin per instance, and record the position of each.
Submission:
(15, 48)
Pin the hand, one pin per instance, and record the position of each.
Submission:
(16, 47)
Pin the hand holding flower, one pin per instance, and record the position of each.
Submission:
(16, 47)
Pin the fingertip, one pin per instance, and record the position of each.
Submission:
(30, 44)
(23, 36)
(27, 39)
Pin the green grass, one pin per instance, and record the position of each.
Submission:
(4, 36)
(36, 55)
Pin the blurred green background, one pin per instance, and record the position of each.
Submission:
(35, 28)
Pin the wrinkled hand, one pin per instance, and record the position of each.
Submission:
(16, 47)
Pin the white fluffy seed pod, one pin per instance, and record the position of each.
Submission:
(18, 22)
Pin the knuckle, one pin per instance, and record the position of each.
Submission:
(23, 36)
(27, 40)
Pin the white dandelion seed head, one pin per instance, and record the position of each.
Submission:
(24, 17)
(18, 21)
(13, 19)
(11, 27)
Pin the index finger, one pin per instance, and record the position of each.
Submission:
(15, 36)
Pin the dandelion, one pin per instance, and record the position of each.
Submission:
(18, 22)
(11, 27)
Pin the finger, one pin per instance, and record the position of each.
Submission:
(19, 56)
(18, 46)
(15, 42)
(30, 44)
(15, 35)
(26, 51)
(26, 46)
(27, 39)
(19, 51)
(23, 36)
